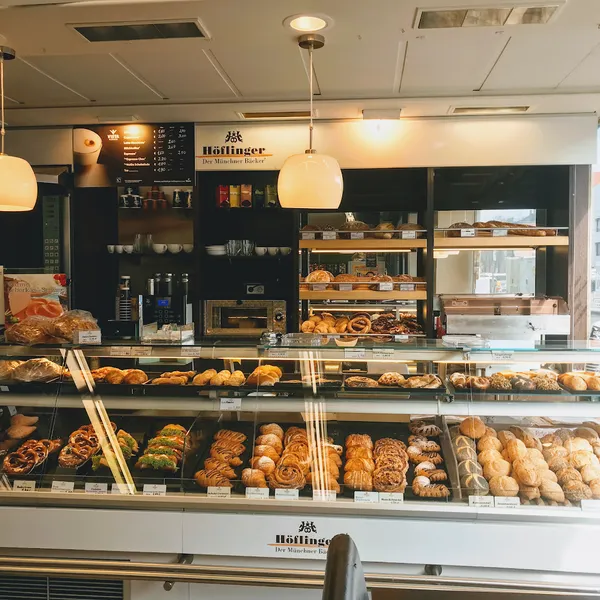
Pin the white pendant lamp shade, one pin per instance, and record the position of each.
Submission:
(18, 185)
(310, 181)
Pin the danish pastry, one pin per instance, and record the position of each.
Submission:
(425, 444)
(423, 487)
(388, 480)
(424, 428)
(359, 464)
(213, 463)
(358, 480)
(287, 477)
(231, 436)
(360, 382)
(359, 439)
(211, 478)
(225, 455)
(359, 452)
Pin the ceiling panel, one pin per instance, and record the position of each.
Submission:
(178, 77)
(586, 75)
(448, 62)
(534, 61)
(110, 81)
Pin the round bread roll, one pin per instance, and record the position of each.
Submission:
(454, 431)
(551, 439)
(505, 455)
(466, 453)
(575, 444)
(473, 427)
(491, 432)
(576, 490)
(505, 437)
(488, 442)
(553, 451)
(568, 474)
(589, 473)
(488, 455)
(587, 433)
(529, 492)
(551, 491)
(496, 468)
(535, 455)
(516, 449)
(476, 485)
(564, 434)
(469, 467)
(546, 473)
(504, 486)
(596, 448)
(463, 440)
(581, 458)
(595, 487)
(526, 473)
(556, 463)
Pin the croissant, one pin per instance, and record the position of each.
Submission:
(236, 380)
(264, 463)
(213, 463)
(270, 439)
(225, 455)
(359, 464)
(264, 450)
(204, 378)
(221, 377)
(254, 478)
(227, 434)
(272, 428)
(212, 478)
(287, 477)
(359, 480)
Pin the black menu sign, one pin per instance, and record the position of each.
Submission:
(132, 154)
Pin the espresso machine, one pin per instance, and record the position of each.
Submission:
(165, 303)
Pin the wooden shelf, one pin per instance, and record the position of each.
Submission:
(360, 245)
(510, 241)
(362, 295)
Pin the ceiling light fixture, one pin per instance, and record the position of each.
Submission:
(307, 23)
(489, 110)
(18, 185)
(381, 113)
(310, 180)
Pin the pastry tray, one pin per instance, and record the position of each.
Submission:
(511, 394)
(395, 390)
(571, 392)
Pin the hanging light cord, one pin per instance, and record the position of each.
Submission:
(310, 76)
(2, 130)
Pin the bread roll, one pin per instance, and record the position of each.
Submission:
(469, 467)
(547, 474)
(556, 463)
(568, 474)
(552, 491)
(504, 486)
(516, 449)
(488, 456)
(466, 453)
(577, 443)
(576, 490)
(581, 458)
(529, 492)
(220, 378)
(463, 440)
(526, 473)
(595, 487)
(587, 433)
(551, 439)
(564, 434)
(554, 451)
(473, 427)
(505, 437)
(489, 431)
(589, 473)
(496, 468)
(488, 442)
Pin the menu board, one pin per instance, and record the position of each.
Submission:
(132, 154)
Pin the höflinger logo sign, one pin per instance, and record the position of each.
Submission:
(233, 151)
(306, 540)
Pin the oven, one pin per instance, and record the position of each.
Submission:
(244, 318)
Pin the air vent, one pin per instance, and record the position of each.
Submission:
(54, 588)
(488, 110)
(131, 32)
(293, 114)
(487, 17)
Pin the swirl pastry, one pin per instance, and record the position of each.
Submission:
(388, 480)
(359, 480)
(292, 459)
(254, 478)
(359, 464)
(423, 428)
(230, 436)
(214, 464)
(359, 439)
(271, 428)
(212, 478)
(287, 477)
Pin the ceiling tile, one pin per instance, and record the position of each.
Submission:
(586, 75)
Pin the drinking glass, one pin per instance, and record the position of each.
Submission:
(247, 247)
(233, 247)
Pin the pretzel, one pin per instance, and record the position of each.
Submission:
(359, 325)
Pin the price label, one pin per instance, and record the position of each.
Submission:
(20, 485)
(119, 351)
(504, 502)
(357, 235)
(154, 489)
(118, 489)
(354, 353)
(4, 388)
(383, 353)
(281, 494)
(141, 351)
(481, 501)
(502, 355)
(319, 287)
(278, 353)
(88, 337)
(96, 488)
(63, 487)
(192, 351)
(391, 498)
(407, 287)
(499, 232)
(590, 505)
(12, 410)
(386, 286)
(467, 232)
(231, 404)
(345, 287)
(308, 235)
(257, 493)
(329, 235)
(366, 497)
(324, 496)
(401, 338)
(218, 492)
(408, 235)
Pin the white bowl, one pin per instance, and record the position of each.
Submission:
(273, 250)
(215, 248)
(284, 250)
(174, 248)
(159, 248)
(260, 250)
(128, 249)
(188, 248)
(216, 252)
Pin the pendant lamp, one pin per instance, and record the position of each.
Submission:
(310, 180)
(18, 185)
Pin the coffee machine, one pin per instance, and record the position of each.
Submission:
(165, 310)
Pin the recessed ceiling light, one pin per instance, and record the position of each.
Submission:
(381, 113)
(488, 110)
(307, 23)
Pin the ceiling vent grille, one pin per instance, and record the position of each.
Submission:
(290, 114)
(487, 17)
(137, 31)
(54, 588)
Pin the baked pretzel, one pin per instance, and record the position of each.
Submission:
(359, 325)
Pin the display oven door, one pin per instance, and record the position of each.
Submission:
(244, 317)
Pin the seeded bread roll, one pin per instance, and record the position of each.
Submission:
(473, 427)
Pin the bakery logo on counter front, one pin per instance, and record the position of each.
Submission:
(233, 154)
(305, 541)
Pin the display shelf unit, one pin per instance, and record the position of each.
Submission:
(369, 245)
(492, 243)
(362, 295)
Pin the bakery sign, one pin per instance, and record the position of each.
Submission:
(303, 542)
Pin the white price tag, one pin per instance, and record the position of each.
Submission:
(590, 505)
(141, 351)
(218, 492)
(257, 493)
(499, 232)
(324, 496)
(154, 489)
(92, 336)
(63, 487)
(329, 235)
(504, 502)
(230, 404)
(401, 338)
(192, 351)
(96, 488)
(276, 353)
(19, 485)
(119, 351)
(357, 235)
(281, 494)
(481, 501)
(407, 287)
(366, 497)
(12, 410)
(383, 353)
(319, 287)
(386, 286)
(408, 235)
(391, 498)
(308, 235)
(502, 355)
(345, 287)
(354, 353)
(118, 489)
(4, 388)
(467, 232)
